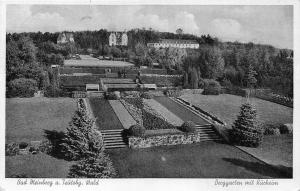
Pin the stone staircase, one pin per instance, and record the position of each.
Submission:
(208, 133)
(113, 139)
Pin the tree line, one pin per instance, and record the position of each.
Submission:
(30, 55)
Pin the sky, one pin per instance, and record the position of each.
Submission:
(265, 24)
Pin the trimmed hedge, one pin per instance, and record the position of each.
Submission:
(173, 93)
(137, 130)
(188, 127)
(162, 80)
(147, 95)
(211, 87)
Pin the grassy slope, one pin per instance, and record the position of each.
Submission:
(180, 111)
(203, 160)
(227, 107)
(106, 117)
(27, 118)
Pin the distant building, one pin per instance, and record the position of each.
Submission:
(175, 43)
(118, 39)
(65, 37)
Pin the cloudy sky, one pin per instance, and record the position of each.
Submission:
(260, 24)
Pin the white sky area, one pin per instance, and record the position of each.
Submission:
(266, 24)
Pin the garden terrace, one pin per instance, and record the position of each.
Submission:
(226, 107)
(162, 80)
(79, 82)
(97, 63)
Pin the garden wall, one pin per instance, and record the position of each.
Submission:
(159, 140)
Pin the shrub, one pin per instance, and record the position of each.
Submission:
(113, 95)
(147, 95)
(211, 87)
(245, 130)
(23, 145)
(137, 130)
(151, 121)
(272, 131)
(99, 166)
(188, 127)
(11, 149)
(173, 93)
(21, 87)
(45, 147)
(286, 129)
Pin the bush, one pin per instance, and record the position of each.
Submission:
(286, 129)
(271, 129)
(188, 127)
(21, 87)
(245, 130)
(99, 166)
(23, 145)
(211, 87)
(113, 95)
(137, 130)
(53, 91)
(173, 93)
(11, 149)
(147, 95)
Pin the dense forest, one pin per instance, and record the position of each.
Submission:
(30, 55)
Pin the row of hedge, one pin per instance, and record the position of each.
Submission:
(162, 80)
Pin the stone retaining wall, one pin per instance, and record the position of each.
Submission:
(159, 140)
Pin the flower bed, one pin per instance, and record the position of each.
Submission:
(141, 112)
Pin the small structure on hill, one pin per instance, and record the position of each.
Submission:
(65, 37)
(118, 39)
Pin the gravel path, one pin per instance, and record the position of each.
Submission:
(123, 115)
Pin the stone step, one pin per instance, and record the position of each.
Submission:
(112, 130)
(114, 144)
(112, 138)
(115, 147)
(113, 141)
(112, 135)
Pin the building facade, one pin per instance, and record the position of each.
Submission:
(174, 43)
(65, 37)
(118, 39)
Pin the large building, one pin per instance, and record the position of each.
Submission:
(65, 37)
(175, 43)
(118, 39)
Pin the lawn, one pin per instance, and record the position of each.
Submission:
(275, 150)
(36, 166)
(28, 118)
(227, 107)
(181, 112)
(105, 116)
(202, 160)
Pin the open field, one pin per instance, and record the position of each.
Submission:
(28, 118)
(36, 166)
(105, 115)
(178, 110)
(227, 107)
(203, 160)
